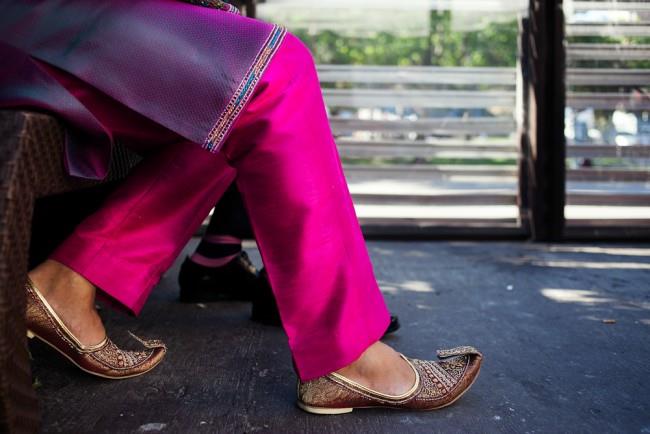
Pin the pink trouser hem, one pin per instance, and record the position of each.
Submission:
(341, 352)
(122, 282)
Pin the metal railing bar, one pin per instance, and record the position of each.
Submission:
(450, 126)
(606, 101)
(479, 197)
(608, 77)
(361, 98)
(604, 150)
(417, 75)
(584, 51)
(610, 6)
(423, 171)
(642, 29)
(473, 76)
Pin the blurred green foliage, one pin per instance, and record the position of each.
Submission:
(494, 45)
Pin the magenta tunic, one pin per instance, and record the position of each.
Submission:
(140, 53)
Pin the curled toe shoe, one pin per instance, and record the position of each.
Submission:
(104, 359)
(437, 384)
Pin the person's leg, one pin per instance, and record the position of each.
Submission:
(222, 241)
(117, 249)
(291, 179)
(139, 230)
(219, 269)
(295, 192)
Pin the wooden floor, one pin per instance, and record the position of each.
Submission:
(541, 313)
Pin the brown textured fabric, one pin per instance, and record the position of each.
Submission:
(31, 166)
(438, 384)
(104, 360)
(31, 150)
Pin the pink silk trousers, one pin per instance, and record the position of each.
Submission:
(282, 156)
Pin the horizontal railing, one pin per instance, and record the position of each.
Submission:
(401, 148)
(631, 6)
(428, 171)
(445, 190)
(609, 29)
(460, 149)
(608, 151)
(442, 171)
(606, 196)
(596, 174)
(464, 76)
(438, 126)
(607, 101)
(419, 75)
(489, 198)
(466, 99)
(364, 98)
(613, 52)
(608, 77)
(360, 98)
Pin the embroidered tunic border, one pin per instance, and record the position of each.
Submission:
(244, 91)
(216, 4)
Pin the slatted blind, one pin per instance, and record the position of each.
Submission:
(429, 140)
(608, 113)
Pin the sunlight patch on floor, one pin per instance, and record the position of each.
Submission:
(621, 251)
(605, 265)
(575, 296)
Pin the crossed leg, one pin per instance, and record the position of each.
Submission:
(284, 160)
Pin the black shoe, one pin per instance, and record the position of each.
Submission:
(393, 326)
(265, 309)
(235, 281)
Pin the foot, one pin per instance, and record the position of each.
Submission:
(72, 297)
(436, 384)
(103, 359)
(235, 280)
(264, 309)
(382, 369)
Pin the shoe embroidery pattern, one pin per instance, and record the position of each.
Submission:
(104, 359)
(116, 358)
(438, 384)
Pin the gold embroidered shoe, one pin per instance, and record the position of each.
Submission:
(437, 384)
(104, 359)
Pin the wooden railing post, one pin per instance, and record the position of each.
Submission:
(523, 78)
(542, 168)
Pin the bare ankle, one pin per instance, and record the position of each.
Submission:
(72, 297)
(382, 369)
(55, 280)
